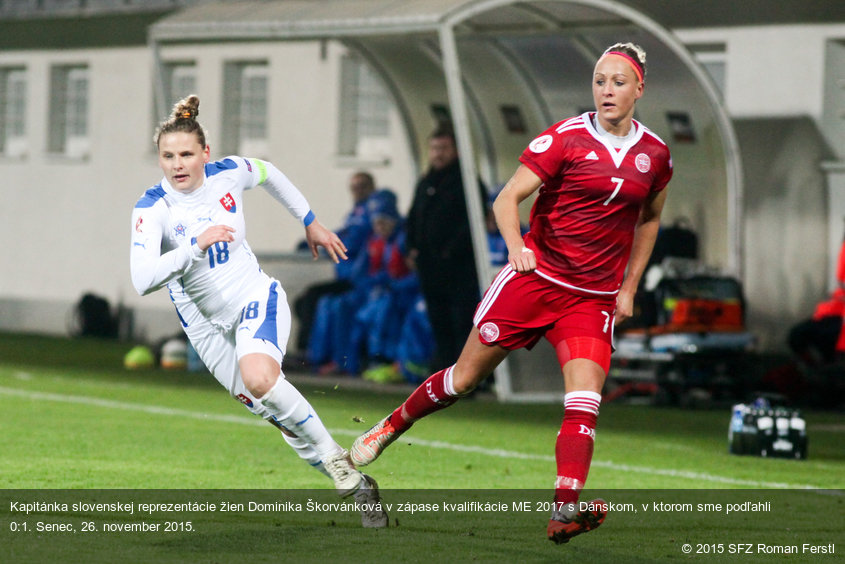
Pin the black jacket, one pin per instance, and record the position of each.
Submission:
(438, 226)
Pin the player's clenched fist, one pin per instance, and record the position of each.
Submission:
(523, 261)
(215, 234)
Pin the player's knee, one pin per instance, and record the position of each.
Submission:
(259, 384)
(463, 382)
(259, 373)
(463, 388)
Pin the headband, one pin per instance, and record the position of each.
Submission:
(638, 69)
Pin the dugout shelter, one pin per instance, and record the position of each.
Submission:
(502, 71)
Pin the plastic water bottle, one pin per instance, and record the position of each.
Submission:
(735, 428)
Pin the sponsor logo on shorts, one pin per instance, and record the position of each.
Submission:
(541, 144)
(244, 400)
(643, 162)
(489, 331)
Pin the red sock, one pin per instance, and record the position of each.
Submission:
(574, 446)
(434, 394)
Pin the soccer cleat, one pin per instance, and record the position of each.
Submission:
(370, 445)
(561, 529)
(347, 479)
(373, 515)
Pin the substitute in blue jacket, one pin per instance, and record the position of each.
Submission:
(188, 235)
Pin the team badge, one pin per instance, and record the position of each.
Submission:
(229, 203)
(489, 331)
(541, 144)
(139, 225)
(180, 230)
(244, 400)
(643, 162)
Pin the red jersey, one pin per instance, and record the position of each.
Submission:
(386, 256)
(582, 223)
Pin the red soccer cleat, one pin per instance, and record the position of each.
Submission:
(587, 519)
(371, 444)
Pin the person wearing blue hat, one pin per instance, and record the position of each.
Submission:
(392, 289)
(354, 233)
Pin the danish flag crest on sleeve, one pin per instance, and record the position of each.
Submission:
(229, 203)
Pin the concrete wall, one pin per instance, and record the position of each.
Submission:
(774, 91)
(66, 221)
(771, 71)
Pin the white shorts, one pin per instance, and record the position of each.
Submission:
(263, 327)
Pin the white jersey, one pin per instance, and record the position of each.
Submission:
(166, 223)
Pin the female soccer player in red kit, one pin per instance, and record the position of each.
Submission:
(601, 179)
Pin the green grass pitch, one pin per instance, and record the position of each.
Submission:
(471, 483)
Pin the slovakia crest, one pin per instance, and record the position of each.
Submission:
(229, 203)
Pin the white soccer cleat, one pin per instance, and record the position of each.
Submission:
(373, 515)
(371, 444)
(347, 480)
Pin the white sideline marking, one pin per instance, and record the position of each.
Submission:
(111, 404)
(501, 453)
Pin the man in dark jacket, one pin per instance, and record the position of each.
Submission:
(440, 243)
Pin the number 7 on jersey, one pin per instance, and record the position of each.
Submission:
(618, 182)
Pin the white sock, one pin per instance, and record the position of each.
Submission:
(292, 410)
(306, 452)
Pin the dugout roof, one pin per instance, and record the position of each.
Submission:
(504, 70)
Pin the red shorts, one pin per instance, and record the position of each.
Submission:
(518, 309)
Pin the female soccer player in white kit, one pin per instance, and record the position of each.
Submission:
(188, 236)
